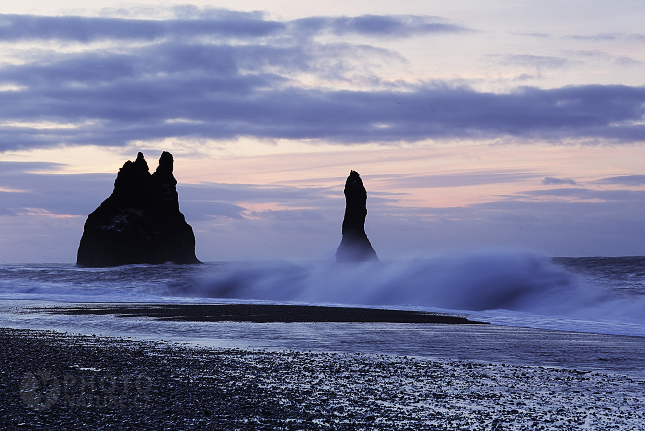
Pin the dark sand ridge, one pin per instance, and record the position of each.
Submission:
(259, 313)
(112, 383)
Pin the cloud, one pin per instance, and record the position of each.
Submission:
(625, 180)
(56, 194)
(89, 29)
(461, 179)
(557, 181)
(378, 25)
(196, 210)
(8, 169)
(212, 23)
(577, 192)
(220, 104)
(537, 61)
(165, 79)
(588, 53)
(598, 54)
(236, 193)
(290, 215)
(609, 36)
(627, 61)
(531, 34)
(581, 193)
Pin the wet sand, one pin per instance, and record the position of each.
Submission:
(57, 380)
(258, 313)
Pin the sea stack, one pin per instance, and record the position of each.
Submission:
(355, 247)
(140, 222)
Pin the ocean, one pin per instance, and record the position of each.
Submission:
(512, 288)
(581, 312)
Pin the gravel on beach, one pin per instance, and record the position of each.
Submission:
(54, 380)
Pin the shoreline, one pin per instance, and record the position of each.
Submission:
(475, 342)
(115, 383)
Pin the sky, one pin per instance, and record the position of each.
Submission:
(474, 125)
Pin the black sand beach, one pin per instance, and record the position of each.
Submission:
(59, 380)
(108, 383)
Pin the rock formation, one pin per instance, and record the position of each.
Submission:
(140, 222)
(355, 247)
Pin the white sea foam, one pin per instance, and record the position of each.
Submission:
(506, 287)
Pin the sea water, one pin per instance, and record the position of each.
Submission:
(603, 295)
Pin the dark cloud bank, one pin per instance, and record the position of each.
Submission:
(223, 75)
(213, 23)
(557, 181)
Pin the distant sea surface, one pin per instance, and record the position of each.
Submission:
(603, 295)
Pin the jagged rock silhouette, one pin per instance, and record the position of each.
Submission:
(355, 246)
(140, 222)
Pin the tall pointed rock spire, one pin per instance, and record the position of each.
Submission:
(355, 247)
